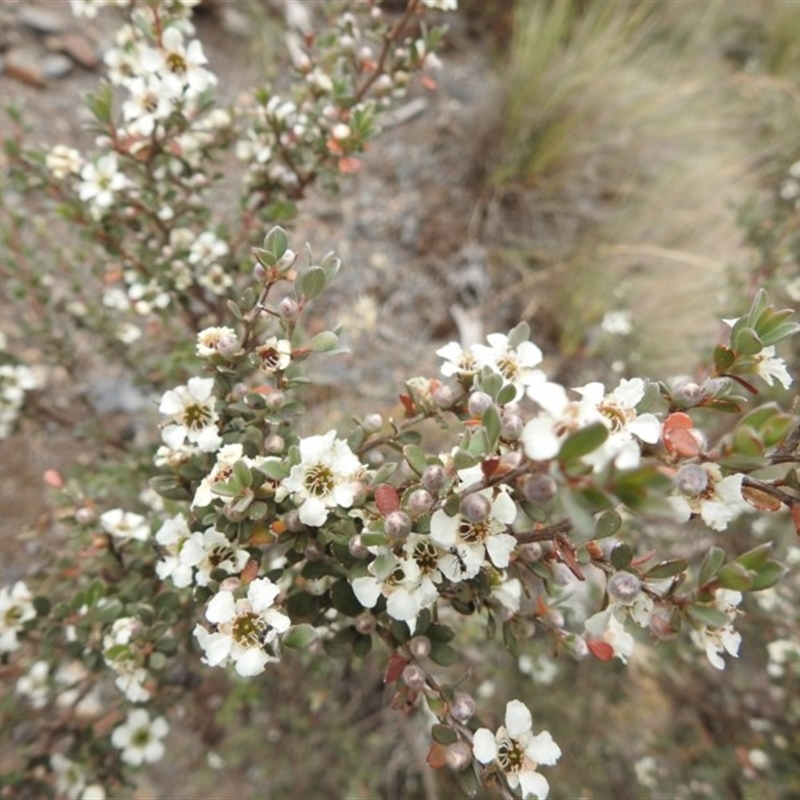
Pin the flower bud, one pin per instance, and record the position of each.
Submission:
(259, 273)
(288, 308)
(692, 480)
(433, 478)
(475, 508)
(365, 623)
(372, 423)
(274, 444)
(458, 756)
(85, 515)
(530, 552)
(624, 586)
(443, 396)
(478, 403)
(414, 677)
(275, 400)
(374, 458)
(510, 427)
(291, 519)
(687, 394)
(397, 525)
(286, 260)
(419, 502)
(230, 584)
(576, 646)
(538, 488)
(313, 552)
(420, 646)
(462, 707)
(356, 547)
(661, 624)
(554, 617)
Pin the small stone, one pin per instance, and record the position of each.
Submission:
(25, 65)
(56, 66)
(42, 20)
(81, 49)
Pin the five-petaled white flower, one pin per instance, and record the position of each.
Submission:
(724, 639)
(244, 628)
(206, 552)
(514, 364)
(325, 477)
(139, 738)
(125, 525)
(16, 608)
(193, 416)
(769, 366)
(517, 751)
(100, 182)
(717, 504)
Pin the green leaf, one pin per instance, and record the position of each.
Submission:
(437, 632)
(491, 424)
(667, 569)
(443, 734)
(507, 394)
(416, 458)
(373, 539)
(236, 312)
(443, 654)
(583, 441)
(299, 636)
(242, 474)
(324, 342)
(519, 334)
(710, 616)
(463, 460)
(274, 470)
(758, 307)
(343, 599)
(579, 516)
(621, 556)
(745, 342)
(311, 282)
(99, 104)
(608, 523)
(735, 576)
(276, 243)
(712, 563)
(767, 575)
(724, 358)
(747, 442)
(490, 382)
(782, 331)
(753, 559)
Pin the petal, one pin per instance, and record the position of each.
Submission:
(251, 662)
(646, 427)
(367, 590)
(313, 512)
(543, 750)
(444, 529)
(278, 621)
(532, 783)
(484, 746)
(518, 719)
(539, 440)
(499, 547)
(504, 509)
(402, 605)
(221, 608)
(262, 593)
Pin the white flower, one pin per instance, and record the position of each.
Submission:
(100, 182)
(515, 364)
(182, 68)
(70, 777)
(616, 323)
(206, 552)
(768, 366)
(193, 416)
(324, 478)
(781, 652)
(33, 685)
(172, 535)
(16, 608)
(139, 738)
(441, 5)
(243, 628)
(206, 249)
(720, 503)
(467, 544)
(275, 354)
(606, 627)
(125, 525)
(617, 411)
(219, 340)
(724, 639)
(63, 161)
(458, 361)
(150, 103)
(517, 751)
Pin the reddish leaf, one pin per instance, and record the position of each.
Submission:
(680, 436)
(489, 467)
(761, 500)
(602, 651)
(249, 572)
(437, 756)
(795, 511)
(387, 499)
(350, 164)
(408, 405)
(394, 669)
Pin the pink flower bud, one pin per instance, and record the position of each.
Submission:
(420, 646)
(397, 526)
(458, 756)
(372, 423)
(538, 488)
(414, 677)
(356, 547)
(478, 403)
(624, 586)
(274, 444)
(510, 427)
(692, 480)
(433, 478)
(365, 623)
(420, 502)
(530, 552)
(462, 707)
(288, 308)
(476, 508)
(443, 396)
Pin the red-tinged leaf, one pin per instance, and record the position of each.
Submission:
(408, 405)
(602, 651)
(350, 164)
(437, 756)
(53, 479)
(404, 700)
(489, 467)
(680, 436)
(761, 500)
(387, 499)
(250, 572)
(428, 82)
(567, 556)
(541, 607)
(643, 558)
(394, 669)
(795, 511)
(742, 382)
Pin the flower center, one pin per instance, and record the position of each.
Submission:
(249, 629)
(511, 755)
(426, 558)
(508, 366)
(319, 480)
(221, 553)
(141, 737)
(474, 532)
(176, 64)
(196, 416)
(618, 417)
